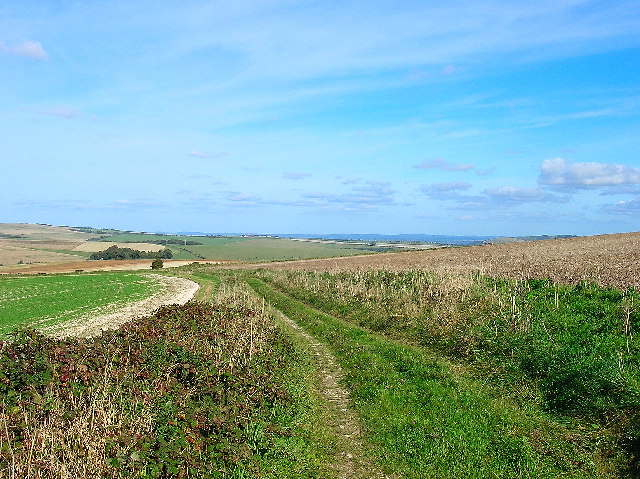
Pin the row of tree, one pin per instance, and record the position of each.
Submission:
(115, 252)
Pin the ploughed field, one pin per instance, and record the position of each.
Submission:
(607, 260)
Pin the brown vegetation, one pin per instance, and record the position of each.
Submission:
(14, 251)
(609, 260)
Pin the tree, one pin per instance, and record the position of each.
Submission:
(157, 264)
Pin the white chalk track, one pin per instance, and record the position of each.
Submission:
(172, 290)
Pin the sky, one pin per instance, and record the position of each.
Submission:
(276, 116)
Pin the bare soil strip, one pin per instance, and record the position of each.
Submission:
(352, 461)
(110, 265)
(172, 290)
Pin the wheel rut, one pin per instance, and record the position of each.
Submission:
(352, 460)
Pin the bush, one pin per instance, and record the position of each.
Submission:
(157, 264)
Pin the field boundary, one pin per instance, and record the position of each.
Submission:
(174, 290)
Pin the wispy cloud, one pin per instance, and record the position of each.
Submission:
(559, 174)
(61, 111)
(199, 154)
(445, 190)
(31, 50)
(52, 204)
(452, 186)
(513, 195)
(291, 175)
(626, 208)
(621, 190)
(80, 205)
(450, 69)
(366, 197)
(439, 163)
(490, 198)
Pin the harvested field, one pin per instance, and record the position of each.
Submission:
(43, 232)
(608, 260)
(13, 251)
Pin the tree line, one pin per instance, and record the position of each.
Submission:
(115, 252)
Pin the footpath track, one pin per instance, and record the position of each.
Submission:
(352, 460)
(424, 416)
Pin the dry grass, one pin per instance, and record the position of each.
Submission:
(608, 260)
(122, 394)
(43, 232)
(14, 251)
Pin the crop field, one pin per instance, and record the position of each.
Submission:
(608, 260)
(95, 246)
(247, 248)
(46, 300)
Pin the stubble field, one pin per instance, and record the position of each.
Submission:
(607, 260)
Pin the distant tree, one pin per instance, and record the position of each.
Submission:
(157, 264)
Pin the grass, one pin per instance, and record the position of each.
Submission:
(46, 300)
(200, 390)
(451, 375)
(248, 249)
(576, 342)
(428, 419)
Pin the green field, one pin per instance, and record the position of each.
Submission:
(248, 248)
(46, 300)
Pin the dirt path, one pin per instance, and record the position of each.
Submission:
(172, 290)
(352, 460)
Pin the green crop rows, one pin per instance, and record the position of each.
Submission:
(44, 300)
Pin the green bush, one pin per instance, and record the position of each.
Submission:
(157, 264)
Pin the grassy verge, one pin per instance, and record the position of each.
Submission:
(566, 349)
(194, 391)
(430, 418)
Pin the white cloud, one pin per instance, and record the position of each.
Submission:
(557, 173)
(441, 164)
(31, 50)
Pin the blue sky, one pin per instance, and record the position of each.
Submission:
(463, 117)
